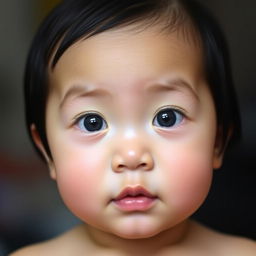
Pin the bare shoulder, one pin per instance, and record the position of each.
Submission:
(49, 247)
(32, 250)
(68, 243)
(223, 244)
(239, 246)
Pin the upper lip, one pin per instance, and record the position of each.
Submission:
(134, 191)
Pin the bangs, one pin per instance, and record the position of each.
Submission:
(113, 15)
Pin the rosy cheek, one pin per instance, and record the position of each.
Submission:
(78, 179)
(187, 181)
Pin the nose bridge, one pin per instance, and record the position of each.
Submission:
(132, 152)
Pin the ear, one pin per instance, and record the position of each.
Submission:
(219, 148)
(39, 144)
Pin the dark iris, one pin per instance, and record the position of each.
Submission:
(93, 122)
(166, 118)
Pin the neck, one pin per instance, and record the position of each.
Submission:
(171, 238)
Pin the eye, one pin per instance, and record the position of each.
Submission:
(168, 117)
(91, 122)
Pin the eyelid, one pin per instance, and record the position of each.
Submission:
(179, 111)
(79, 116)
(89, 112)
(176, 108)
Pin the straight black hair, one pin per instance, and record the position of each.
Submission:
(73, 20)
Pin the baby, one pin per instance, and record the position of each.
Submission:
(132, 106)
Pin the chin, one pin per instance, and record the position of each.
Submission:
(136, 236)
(137, 232)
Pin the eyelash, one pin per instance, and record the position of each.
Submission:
(177, 113)
(92, 118)
(95, 122)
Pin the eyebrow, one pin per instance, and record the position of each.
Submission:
(173, 84)
(81, 91)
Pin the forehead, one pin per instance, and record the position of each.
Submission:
(122, 56)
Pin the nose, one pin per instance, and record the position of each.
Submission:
(132, 157)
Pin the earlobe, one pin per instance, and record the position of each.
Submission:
(52, 170)
(220, 147)
(217, 159)
(40, 146)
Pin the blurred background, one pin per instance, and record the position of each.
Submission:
(30, 207)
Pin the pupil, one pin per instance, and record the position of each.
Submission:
(166, 118)
(93, 123)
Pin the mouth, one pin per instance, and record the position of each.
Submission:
(134, 199)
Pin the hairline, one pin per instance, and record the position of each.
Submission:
(167, 20)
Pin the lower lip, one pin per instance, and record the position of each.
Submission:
(140, 203)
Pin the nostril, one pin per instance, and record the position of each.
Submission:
(139, 161)
(145, 166)
(121, 166)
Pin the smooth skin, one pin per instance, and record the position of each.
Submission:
(125, 78)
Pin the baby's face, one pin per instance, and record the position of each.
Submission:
(131, 126)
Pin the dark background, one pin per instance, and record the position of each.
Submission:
(30, 207)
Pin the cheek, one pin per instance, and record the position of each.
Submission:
(79, 177)
(187, 180)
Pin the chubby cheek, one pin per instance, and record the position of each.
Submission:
(80, 181)
(187, 179)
